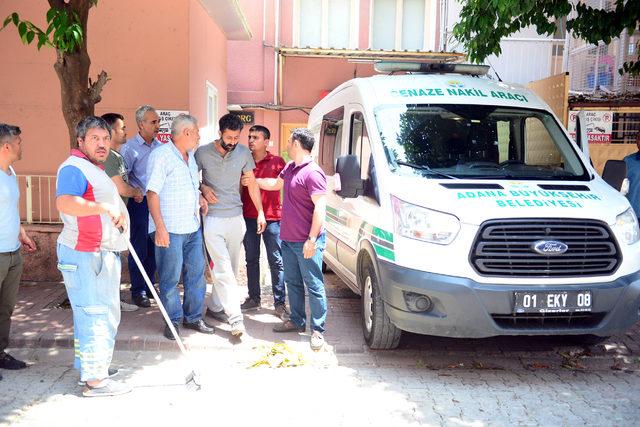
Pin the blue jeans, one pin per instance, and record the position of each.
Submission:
(272, 243)
(185, 255)
(300, 271)
(139, 215)
(92, 280)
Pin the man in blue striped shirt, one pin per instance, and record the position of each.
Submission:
(175, 204)
(136, 154)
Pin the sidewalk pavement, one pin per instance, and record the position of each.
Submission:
(39, 321)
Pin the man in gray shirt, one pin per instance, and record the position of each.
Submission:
(223, 163)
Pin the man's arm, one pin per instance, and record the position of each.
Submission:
(208, 194)
(254, 193)
(26, 241)
(126, 190)
(77, 206)
(162, 235)
(317, 221)
(267, 184)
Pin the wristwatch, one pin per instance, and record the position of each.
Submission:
(312, 238)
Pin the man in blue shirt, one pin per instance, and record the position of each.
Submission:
(12, 236)
(633, 174)
(136, 154)
(175, 203)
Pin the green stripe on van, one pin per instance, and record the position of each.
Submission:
(383, 234)
(384, 252)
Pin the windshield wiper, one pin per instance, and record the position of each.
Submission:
(425, 168)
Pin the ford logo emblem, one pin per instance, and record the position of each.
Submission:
(549, 247)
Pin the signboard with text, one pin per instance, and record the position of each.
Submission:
(599, 126)
(166, 118)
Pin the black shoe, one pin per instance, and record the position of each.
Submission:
(9, 362)
(220, 316)
(141, 301)
(200, 326)
(149, 294)
(167, 332)
(250, 304)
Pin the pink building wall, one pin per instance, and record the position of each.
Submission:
(157, 52)
(251, 66)
(207, 62)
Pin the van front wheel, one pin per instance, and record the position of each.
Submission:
(379, 332)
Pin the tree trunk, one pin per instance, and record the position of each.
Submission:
(78, 94)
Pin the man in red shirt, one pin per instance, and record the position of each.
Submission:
(267, 166)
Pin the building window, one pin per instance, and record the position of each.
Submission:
(212, 106)
(325, 23)
(403, 24)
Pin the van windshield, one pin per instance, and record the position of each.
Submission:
(476, 141)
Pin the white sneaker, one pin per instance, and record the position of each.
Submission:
(125, 306)
(317, 341)
(237, 328)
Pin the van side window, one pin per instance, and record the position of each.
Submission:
(504, 139)
(360, 146)
(330, 139)
(539, 148)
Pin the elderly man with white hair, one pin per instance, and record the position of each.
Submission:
(136, 155)
(175, 203)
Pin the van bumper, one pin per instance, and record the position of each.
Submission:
(467, 309)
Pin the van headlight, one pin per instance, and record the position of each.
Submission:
(627, 223)
(425, 224)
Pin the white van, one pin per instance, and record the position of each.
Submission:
(459, 206)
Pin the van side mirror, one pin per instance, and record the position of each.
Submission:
(615, 174)
(348, 171)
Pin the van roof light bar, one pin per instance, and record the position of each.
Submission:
(422, 67)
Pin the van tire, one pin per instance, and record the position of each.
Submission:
(379, 333)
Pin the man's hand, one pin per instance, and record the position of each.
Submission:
(138, 196)
(308, 249)
(261, 222)
(204, 206)
(118, 218)
(27, 243)
(208, 194)
(247, 179)
(162, 238)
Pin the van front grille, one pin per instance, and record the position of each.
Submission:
(548, 321)
(505, 248)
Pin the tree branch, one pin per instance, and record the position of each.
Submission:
(95, 88)
(58, 4)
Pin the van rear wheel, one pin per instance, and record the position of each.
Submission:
(379, 332)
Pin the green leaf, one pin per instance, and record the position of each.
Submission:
(15, 18)
(22, 29)
(51, 13)
(30, 36)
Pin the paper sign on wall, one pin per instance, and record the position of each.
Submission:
(166, 118)
(599, 126)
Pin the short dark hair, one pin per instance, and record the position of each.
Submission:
(263, 130)
(230, 122)
(304, 137)
(111, 118)
(91, 122)
(8, 131)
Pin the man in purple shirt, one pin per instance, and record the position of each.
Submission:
(302, 234)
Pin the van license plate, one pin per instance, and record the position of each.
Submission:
(552, 302)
